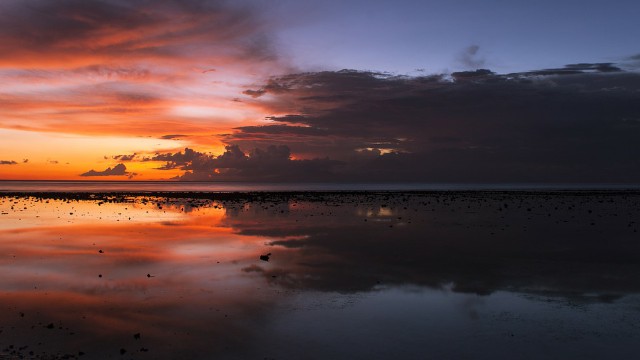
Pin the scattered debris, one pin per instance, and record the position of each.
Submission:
(265, 257)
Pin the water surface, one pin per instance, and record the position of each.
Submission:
(209, 186)
(477, 275)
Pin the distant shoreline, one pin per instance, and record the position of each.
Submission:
(97, 187)
(118, 196)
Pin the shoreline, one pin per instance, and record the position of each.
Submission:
(264, 195)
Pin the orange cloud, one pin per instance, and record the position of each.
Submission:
(130, 69)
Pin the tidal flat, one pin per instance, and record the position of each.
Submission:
(320, 275)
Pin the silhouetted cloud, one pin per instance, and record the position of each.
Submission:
(173, 137)
(7, 162)
(274, 163)
(573, 69)
(579, 123)
(118, 170)
(124, 157)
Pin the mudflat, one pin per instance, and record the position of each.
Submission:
(320, 275)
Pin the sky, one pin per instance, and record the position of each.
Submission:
(283, 90)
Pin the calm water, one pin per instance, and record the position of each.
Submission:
(155, 186)
(369, 276)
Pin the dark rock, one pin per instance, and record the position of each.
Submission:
(265, 257)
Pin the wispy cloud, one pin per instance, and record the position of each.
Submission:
(125, 67)
(86, 33)
(173, 137)
(470, 57)
(124, 157)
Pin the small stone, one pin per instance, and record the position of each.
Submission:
(265, 257)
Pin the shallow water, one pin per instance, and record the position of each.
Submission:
(221, 186)
(350, 276)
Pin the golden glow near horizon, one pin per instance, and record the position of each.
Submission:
(42, 155)
(67, 129)
(99, 86)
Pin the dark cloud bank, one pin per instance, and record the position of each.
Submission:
(580, 123)
(274, 163)
(576, 245)
(118, 170)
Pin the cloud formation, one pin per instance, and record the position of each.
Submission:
(90, 32)
(273, 163)
(123, 67)
(470, 58)
(118, 170)
(173, 137)
(124, 157)
(579, 123)
(8, 162)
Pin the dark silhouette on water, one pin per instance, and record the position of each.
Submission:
(265, 257)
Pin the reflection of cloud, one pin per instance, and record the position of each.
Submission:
(180, 310)
(481, 243)
(578, 123)
(208, 293)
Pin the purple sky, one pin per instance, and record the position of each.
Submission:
(440, 91)
(405, 35)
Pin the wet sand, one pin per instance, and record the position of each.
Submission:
(341, 275)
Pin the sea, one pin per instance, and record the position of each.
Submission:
(523, 272)
(174, 186)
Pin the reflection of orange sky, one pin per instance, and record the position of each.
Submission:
(50, 252)
(127, 233)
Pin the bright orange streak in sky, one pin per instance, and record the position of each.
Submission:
(124, 84)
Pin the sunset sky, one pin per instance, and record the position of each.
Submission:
(437, 91)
